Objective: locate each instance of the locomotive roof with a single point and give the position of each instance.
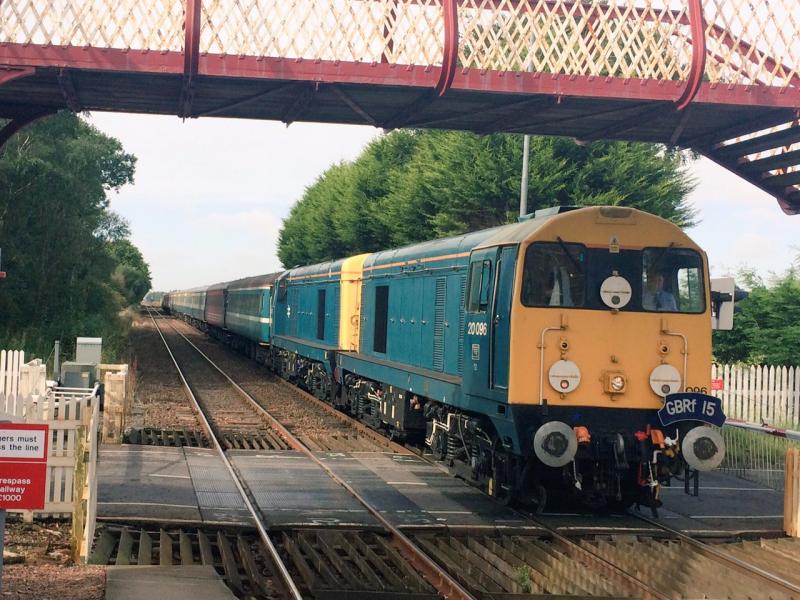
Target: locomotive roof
(459, 245)
(514, 233)
(330, 267)
(256, 281)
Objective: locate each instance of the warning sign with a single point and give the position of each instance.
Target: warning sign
(23, 465)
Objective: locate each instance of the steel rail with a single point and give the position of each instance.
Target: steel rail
(602, 563)
(433, 573)
(769, 579)
(262, 532)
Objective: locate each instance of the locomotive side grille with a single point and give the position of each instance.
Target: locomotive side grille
(438, 323)
(463, 291)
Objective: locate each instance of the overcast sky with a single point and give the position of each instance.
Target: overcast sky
(210, 195)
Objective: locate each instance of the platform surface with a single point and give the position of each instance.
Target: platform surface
(166, 583)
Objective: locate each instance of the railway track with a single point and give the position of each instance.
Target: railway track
(656, 562)
(231, 406)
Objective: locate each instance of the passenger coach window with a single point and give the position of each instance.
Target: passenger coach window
(672, 280)
(381, 318)
(554, 275)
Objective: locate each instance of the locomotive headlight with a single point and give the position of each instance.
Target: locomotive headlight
(614, 382)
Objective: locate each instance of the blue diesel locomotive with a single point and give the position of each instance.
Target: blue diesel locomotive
(526, 357)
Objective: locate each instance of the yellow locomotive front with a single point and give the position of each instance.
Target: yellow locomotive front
(611, 353)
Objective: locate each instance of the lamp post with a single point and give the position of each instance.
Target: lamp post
(523, 188)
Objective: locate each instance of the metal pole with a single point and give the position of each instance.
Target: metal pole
(57, 360)
(2, 545)
(523, 188)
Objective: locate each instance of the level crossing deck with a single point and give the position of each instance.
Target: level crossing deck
(191, 485)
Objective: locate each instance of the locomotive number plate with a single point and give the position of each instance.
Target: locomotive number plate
(690, 406)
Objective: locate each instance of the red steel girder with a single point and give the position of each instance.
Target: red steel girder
(9, 73)
(251, 67)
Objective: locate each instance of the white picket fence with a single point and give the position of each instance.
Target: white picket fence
(73, 416)
(760, 393)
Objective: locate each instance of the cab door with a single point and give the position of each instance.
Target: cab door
(501, 316)
(482, 283)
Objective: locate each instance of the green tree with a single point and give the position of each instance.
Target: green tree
(57, 234)
(132, 273)
(410, 186)
(767, 327)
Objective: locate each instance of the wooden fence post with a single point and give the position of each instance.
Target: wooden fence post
(791, 493)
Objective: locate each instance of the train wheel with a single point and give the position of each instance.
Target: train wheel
(539, 498)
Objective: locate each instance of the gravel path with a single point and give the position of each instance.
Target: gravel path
(48, 582)
(42, 566)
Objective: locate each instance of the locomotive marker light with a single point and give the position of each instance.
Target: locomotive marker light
(615, 291)
(565, 376)
(555, 444)
(665, 380)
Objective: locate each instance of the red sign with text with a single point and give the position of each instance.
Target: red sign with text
(717, 385)
(23, 465)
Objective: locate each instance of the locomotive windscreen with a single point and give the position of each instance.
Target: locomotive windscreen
(560, 274)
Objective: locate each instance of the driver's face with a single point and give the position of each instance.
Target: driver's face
(656, 282)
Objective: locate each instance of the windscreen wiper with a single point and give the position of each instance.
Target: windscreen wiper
(572, 259)
(661, 256)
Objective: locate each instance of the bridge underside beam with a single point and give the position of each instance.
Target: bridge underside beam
(17, 123)
(389, 96)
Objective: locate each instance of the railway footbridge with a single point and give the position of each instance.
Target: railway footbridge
(719, 76)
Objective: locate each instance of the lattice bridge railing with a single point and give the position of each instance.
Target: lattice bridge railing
(743, 42)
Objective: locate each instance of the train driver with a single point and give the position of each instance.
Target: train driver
(655, 297)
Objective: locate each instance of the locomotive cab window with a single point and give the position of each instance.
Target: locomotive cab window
(672, 281)
(283, 285)
(480, 286)
(554, 275)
